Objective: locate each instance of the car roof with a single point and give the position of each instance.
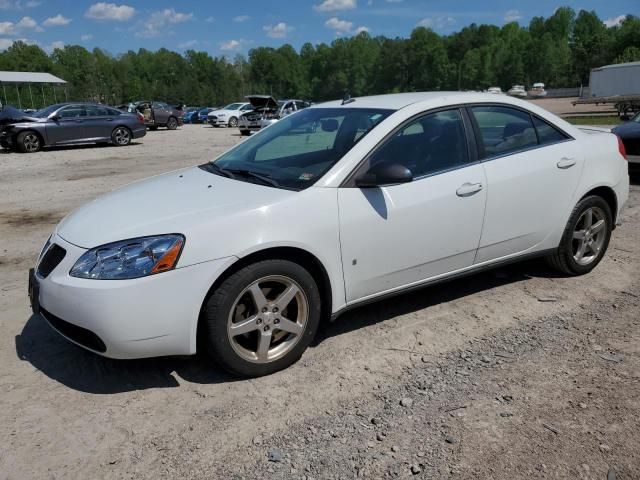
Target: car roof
(396, 101)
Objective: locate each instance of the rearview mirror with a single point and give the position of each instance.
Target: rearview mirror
(384, 174)
(329, 125)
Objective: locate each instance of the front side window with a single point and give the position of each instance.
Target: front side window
(504, 130)
(430, 144)
(297, 150)
(73, 111)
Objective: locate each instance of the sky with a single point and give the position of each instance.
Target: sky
(227, 27)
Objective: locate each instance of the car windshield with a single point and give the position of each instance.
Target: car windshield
(46, 111)
(298, 150)
(233, 106)
(636, 118)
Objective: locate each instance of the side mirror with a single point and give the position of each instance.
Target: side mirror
(55, 117)
(384, 174)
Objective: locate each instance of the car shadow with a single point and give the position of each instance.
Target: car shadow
(84, 371)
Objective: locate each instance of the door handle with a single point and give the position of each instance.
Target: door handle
(566, 162)
(468, 189)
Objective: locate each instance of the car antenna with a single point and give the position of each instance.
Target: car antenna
(347, 98)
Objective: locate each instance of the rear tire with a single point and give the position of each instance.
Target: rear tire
(245, 133)
(121, 136)
(153, 128)
(585, 238)
(276, 304)
(28, 142)
(172, 123)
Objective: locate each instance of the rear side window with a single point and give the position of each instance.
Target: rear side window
(546, 133)
(504, 130)
(430, 144)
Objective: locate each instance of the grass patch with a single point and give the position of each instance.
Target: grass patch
(609, 120)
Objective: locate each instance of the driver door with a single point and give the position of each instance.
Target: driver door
(395, 236)
(68, 126)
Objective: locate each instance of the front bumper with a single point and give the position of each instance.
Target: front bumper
(144, 317)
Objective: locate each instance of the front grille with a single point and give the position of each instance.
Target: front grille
(50, 260)
(80, 335)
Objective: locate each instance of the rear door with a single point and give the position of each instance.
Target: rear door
(68, 126)
(161, 112)
(532, 171)
(99, 122)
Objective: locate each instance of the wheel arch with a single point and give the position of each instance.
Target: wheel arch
(40, 135)
(608, 194)
(295, 254)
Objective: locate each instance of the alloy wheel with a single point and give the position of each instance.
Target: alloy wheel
(268, 319)
(31, 142)
(172, 124)
(589, 236)
(122, 136)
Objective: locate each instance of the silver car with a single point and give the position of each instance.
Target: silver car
(68, 124)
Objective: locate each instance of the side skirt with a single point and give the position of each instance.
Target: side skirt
(454, 276)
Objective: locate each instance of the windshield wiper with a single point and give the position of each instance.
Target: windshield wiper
(212, 167)
(249, 173)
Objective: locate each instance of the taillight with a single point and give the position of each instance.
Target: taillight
(621, 149)
(140, 117)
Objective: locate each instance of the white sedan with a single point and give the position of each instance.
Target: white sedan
(229, 115)
(336, 205)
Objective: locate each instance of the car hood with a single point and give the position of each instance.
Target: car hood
(262, 101)
(177, 202)
(631, 129)
(10, 115)
(222, 110)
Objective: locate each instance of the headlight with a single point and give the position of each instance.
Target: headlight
(127, 259)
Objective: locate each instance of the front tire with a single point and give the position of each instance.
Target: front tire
(28, 142)
(121, 136)
(585, 239)
(233, 122)
(262, 318)
(245, 133)
(172, 123)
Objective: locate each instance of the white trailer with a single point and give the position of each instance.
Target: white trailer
(618, 84)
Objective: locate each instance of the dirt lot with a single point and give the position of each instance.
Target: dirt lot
(516, 373)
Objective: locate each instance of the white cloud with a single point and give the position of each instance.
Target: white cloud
(154, 25)
(335, 5)
(394, 1)
(25, 23)
(437, 23)
(340, 26)
(5, 43)
(188, 44)
(615, 21)
(57, 21)
(362, 29)
(210, 19)
(512, 16)
(110, 12)
(18, 4)
(232, 45)
(86, 37)
(279, 30)
(241, 18)
(53, 45)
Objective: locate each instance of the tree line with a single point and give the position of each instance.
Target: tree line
(559, 51)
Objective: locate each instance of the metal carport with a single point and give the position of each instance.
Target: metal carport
(29, 78)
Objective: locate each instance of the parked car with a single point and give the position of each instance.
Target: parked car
(189, 113)
(228, 116)
(537, 90)
(158, 114)
(266, 110)
(202, 114)
(495, 90)
(338, 205)
(629, 133)
(517, 91)
(66, 124)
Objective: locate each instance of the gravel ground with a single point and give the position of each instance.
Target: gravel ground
(514, 373)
